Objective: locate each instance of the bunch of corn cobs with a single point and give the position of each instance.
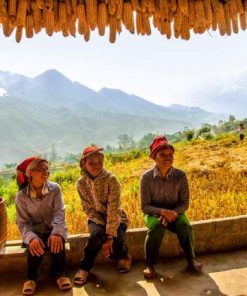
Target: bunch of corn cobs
(170, 17)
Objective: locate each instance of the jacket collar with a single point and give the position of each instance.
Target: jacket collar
(157, 173)
(104, 173)
(30, 191)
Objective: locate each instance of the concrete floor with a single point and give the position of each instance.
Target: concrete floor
(223, 274)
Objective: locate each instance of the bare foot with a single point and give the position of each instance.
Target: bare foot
(195, 266)
(149, 273)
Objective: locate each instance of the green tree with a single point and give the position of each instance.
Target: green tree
(206, 128)
(146, 140)
(53, 155)
(232, 118)
(125, 141)
(189, 134)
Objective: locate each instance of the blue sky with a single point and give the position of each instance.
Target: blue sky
(160, 70)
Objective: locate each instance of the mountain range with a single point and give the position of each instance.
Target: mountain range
(50, 110)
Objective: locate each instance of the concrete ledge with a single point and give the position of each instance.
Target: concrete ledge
(210, 236)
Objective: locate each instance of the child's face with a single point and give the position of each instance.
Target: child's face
(94, 164)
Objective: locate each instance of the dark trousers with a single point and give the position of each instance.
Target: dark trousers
(96, 240)
(155, 234)
(33, 262)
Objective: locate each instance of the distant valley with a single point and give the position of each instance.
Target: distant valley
(50, 110)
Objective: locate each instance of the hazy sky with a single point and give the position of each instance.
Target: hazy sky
(160, 70)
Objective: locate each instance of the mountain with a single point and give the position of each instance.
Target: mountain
(50, 110)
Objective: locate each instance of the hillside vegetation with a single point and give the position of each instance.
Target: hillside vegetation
(217, 173)
(78, 115)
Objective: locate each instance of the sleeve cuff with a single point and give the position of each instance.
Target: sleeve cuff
(29, 237)
(60, 230)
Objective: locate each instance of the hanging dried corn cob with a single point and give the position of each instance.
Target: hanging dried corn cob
(235, 26)
(119, 26)
(102, 18)
(3, 10)
(220, 16)
(240, 6)
(184, 7)
(151, 7)
(156, 20)
(245, 5)
(62, 14)
(135, 4)
(48, 4)
(12, 6)
(168, 30)
(139, 27)
(74, 5)
(128, 17)
(112, 7)
(162, 27)
(208, 12)
(57, 26)
(21, 15)
(214, 21)
(146, 23)
(36, 17)
(233, 9)
(40, 4)
(65, 31)
(81, 10)
(228, 19)
(177, 23)
(87, 32)
(91, 13)
(49, 22)
(71, 25)
(163, 9)
(173, 6)
(143, 5)
(18, 33)
(119, 11)
(185, 32)
(112, 28)
(29, 26)
(242, 19)
(200, 21)
(192, 13)
(68, 7)
(8, 27)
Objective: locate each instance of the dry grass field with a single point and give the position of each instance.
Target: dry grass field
(217, 173)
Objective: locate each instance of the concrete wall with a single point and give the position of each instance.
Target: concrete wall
(210, 236)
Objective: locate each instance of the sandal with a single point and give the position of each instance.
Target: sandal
(194, 266)
(149, 273)
(81, 277)
(64, 283)
(125, 264)
(29, 287)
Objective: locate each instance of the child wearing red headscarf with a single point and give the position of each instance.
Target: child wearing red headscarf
(100, 192)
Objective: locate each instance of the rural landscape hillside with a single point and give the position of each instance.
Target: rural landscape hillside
(217, 173)
(37, 114)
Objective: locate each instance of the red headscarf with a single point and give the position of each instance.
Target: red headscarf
(158, 144)
(21, 176)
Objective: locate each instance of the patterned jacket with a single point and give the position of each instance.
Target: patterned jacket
(100, 198)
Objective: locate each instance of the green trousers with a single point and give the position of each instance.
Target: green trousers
(155, 234)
